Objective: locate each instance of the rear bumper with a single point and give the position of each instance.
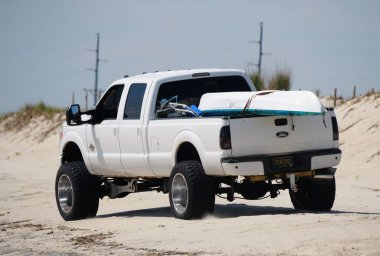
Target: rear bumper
(262, 164)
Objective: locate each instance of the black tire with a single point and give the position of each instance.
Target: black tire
(314, 194)
(78, 190)
(192, 195)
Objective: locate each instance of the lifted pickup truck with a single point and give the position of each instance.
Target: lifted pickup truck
(144, 136)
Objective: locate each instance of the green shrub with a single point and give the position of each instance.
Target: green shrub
(258, 81)
(41, 108)
(281, 79)
(317, 92)
(21, 118)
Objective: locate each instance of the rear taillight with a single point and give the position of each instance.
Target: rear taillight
(225, 137)
(335, 128)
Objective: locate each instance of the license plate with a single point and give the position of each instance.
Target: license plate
(280, 162)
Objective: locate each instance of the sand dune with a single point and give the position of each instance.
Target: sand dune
(359, 121)
(142, 224)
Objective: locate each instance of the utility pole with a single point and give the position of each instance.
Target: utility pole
(100, 91)
(86, 97)
(260, 42)
(261, 47)
(96, 70)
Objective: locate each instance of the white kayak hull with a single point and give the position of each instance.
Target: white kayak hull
(289, 103)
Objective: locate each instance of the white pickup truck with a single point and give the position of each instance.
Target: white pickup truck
(143, 136)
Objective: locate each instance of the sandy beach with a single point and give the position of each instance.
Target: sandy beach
(142, 224)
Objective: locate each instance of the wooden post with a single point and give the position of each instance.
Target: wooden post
(354, 93)
(335, 97)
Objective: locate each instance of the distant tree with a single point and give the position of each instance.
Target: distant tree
(258, 81)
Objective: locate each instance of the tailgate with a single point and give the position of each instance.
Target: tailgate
(267, 135)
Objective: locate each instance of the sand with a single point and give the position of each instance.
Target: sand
(142, 224)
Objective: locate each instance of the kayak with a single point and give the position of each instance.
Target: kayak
(267, 103)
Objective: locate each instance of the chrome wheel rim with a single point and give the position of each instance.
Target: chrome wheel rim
(65, 193)
(180, 193)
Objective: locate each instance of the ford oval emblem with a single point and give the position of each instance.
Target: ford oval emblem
(282, 134)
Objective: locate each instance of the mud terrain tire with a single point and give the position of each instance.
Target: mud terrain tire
(192, 192)
(314, 194)
(76, 191)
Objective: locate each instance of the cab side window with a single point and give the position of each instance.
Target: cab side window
(109, 104)
(134, 101)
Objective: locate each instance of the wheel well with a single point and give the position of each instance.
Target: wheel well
(71, 153)
(186, 152)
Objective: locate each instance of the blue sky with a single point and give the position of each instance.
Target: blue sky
(44, 44)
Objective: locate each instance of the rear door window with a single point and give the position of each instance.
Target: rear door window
(134, 101)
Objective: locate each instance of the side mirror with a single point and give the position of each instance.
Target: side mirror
(73, 115)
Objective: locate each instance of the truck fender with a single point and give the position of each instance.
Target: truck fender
(73, 137)
(190, 137)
